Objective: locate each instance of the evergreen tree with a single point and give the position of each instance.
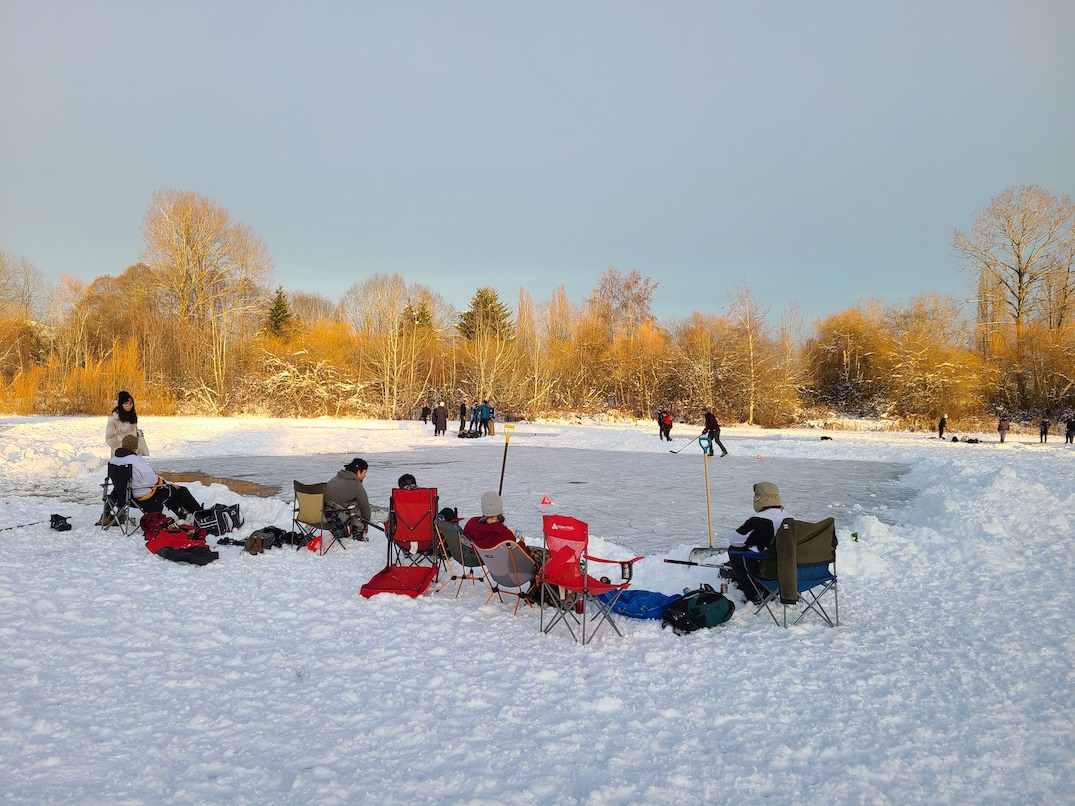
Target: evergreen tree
(487, 316)
(279, 312)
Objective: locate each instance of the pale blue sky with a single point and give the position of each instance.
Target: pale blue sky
(820, 151)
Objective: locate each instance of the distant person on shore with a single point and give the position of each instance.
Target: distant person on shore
(712, 430)
(943, 424)
(462, 416)
(1043, 430)
(1069, 433)
(425, 414)
(1003, 425)
(440, 419)
(345, 492)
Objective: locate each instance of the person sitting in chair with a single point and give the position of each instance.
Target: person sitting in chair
(407, 482)
(488, 530)
(150, 491)
(757, 532)
(344, 492)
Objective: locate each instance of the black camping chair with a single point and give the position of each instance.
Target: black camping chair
(118, 499)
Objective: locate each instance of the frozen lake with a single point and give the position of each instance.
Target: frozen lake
(641, 501)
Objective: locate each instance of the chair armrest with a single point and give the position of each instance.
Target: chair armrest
(753, 555)
(612, 562)
(626, 566)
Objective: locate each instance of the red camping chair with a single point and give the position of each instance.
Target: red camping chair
(566, 541)
(410, 530)
(414, 558)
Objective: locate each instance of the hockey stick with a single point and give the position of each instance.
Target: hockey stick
(689, 562)
(681, 448)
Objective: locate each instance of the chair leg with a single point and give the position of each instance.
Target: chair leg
(603, 614)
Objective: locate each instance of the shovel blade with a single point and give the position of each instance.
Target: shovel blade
(703, 553)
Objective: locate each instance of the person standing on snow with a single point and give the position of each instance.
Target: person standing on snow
(1003, 425)
(425, 414)
(1043, 430)
(440, 420)
(666, 425)
(1069, 436)
(712, 430)
(462, 416)
(943, 424)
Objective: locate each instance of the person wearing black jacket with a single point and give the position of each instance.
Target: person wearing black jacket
(712, 430)
(757, 533)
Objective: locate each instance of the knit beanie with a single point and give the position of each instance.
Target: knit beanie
(492, 505)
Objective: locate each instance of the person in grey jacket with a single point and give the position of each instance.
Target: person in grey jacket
(344, 491)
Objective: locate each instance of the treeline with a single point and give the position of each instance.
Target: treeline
(196, 327)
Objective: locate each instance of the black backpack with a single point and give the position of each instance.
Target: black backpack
(697, 609)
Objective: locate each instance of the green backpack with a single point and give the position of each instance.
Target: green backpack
(697, 609)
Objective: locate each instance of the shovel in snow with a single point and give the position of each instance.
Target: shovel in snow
(701, 553)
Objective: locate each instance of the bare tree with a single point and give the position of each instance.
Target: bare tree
(212, 275)
(753, 343)
(22, 287)
(1021, 249)
(397, 331)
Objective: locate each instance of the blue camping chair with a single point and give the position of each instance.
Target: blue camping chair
(804, 564)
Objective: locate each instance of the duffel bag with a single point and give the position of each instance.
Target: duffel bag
(697, 609)
(219, 519)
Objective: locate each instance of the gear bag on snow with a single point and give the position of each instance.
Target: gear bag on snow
(697, 609)
(219, 519)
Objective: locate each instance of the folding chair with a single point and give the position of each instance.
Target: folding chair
(307, 516)
(566, 542)
(805, 571)
(410, 532)
(118, 499)
(509, 566)
(457, 549)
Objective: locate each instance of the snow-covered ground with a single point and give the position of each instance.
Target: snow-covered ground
(267, 679)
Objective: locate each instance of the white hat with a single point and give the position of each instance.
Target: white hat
(492, 505)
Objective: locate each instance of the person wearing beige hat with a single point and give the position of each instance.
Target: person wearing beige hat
(756, 533)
